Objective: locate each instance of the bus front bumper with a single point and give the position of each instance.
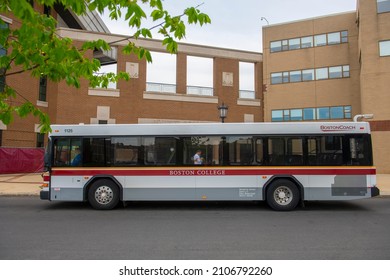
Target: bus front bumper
(44, 194)
(375, 191)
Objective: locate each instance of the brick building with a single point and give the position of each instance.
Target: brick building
(327, 68)
(332, 68)
(134, 101)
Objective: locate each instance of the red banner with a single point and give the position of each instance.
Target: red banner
(21, 160)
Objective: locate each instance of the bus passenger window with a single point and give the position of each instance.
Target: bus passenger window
(294, 151)
(125, 150)
(76, 155)
(211, 149)
(276, 151)
(259, 151)
(160, 150)
(67, 152)
(358, 151)
(240, 150)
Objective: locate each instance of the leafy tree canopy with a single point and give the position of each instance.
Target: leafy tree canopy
(35, 47)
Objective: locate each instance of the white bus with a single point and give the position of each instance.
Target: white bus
(283, 164)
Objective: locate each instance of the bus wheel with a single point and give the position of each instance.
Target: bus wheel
(283, 195)
(103, 194)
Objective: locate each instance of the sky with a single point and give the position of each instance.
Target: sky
(237, 24)
(234, 25)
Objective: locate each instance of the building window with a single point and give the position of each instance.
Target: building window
(383, 6)
(323, 113)
(334, 38)
(344, 36)
(384, 48)
(319, 40)
(295, 76)
(294, 44)
(42, 88)
(2, 80)
(323, 73)
(337, 112)
(276, 78)
(347, 112)
(296, 114)
(277, 115)
(311, 114)
(40, 140)
(3, 52)
(276, 46)
(335, 72)
(307, 42)
(308, 75)
(346, 71)
(46, 10)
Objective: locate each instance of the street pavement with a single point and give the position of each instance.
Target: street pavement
(29, 184)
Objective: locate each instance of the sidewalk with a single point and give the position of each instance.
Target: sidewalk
(28, 184)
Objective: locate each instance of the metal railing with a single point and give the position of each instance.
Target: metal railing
(247, 94)
(203, 91)
(170, 88)
(158, 87)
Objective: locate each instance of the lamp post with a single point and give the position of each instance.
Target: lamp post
(223, 109)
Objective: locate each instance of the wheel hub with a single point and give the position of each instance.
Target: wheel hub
(104, 195)
(283, 195)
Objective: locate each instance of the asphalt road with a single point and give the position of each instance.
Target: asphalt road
(35, 229)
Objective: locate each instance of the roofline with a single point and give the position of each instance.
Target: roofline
(156, 45)
(200, 129)
(309, 19)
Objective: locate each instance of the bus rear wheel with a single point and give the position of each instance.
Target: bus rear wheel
(103, 194)
(283, 195)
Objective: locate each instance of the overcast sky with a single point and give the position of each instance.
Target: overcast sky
(237, 24)
(234, 25)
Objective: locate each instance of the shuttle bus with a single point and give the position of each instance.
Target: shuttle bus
(283, 164)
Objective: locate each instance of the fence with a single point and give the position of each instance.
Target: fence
(21, 160)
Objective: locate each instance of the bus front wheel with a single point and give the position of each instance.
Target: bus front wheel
(283, 195)
(103, 194)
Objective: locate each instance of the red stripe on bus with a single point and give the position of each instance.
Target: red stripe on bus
(213, 171)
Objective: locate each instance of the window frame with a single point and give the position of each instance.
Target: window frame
(387, 53)
(386, 6)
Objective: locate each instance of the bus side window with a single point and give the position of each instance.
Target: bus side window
(358, 151)
(312, 151)
(160, 150)
(240, 150)
(66, 151)
(294, 151)
(61, 152)
(95, 152)
(276, 151)
(126, 151)
(260, 151)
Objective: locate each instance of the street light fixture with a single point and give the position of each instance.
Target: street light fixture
(223, 109)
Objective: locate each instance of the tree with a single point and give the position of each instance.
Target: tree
(35, 47)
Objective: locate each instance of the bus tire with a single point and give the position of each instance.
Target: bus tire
(283, 195)
(103, 194)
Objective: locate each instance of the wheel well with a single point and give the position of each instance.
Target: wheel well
(99, 177)
(285, 177)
